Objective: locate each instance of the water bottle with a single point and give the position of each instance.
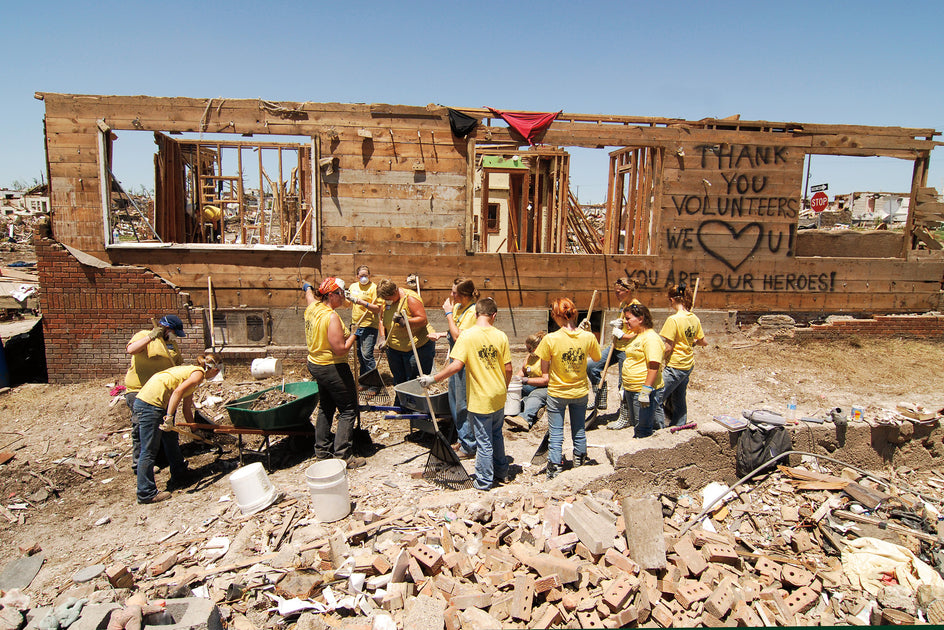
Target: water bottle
(792, 410)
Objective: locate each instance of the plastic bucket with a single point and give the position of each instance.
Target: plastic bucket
(252, 488)
(513, 399)
(327, 483)
(264, 368)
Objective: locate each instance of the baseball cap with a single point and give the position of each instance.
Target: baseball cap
(174, 323)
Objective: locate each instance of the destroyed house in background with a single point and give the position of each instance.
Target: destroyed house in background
(257, 195)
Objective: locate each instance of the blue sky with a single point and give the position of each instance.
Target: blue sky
(860, 63)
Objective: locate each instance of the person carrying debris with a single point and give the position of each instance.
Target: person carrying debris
(681, 332)
(398, 304)
(625, 290)
(483, 352)
(155, 408)
(534, 397)
(329, 341)
(151, 351)
(364, 299)
(564, 354)
(459, 309)
(642, 372)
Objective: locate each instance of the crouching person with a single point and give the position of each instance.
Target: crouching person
(484, 353)
(154, 409)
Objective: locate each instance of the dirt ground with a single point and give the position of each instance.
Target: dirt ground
(69, 487)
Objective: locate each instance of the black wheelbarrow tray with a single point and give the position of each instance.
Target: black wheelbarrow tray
(295, 413)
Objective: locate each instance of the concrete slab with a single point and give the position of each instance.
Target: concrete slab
(20, 572)
(188, 613)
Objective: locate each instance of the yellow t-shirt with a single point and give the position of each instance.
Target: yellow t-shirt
(158, 355)
(683, 329)
(317, 317)
(368, 293)
(159, 387)
(464, 317)
(396, 334)
(567, 352)
(485, 353)
(623, 343)
(642, 350)
(532, 366)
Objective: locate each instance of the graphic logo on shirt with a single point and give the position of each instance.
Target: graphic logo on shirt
(488, 355)
(690, 334)
(574, 359)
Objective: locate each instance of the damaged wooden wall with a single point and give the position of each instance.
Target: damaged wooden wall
(395, 186)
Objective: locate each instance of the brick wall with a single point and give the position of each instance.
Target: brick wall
(908, 326)
(90, 311)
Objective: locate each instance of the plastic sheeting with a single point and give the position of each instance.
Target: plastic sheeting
(866, 560)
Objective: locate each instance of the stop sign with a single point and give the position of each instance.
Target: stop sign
(819, 201)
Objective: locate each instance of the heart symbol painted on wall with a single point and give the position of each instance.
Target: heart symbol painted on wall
(729, 245)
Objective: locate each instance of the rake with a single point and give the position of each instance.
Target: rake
(443, 467)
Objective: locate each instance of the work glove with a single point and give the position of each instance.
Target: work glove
(168, 424)
(584, 325)
(616, 323)
(426, 381)
(618, 333)
(644, 395)
(348, 296)
(305, 287)
(157, 331)
(399, 318)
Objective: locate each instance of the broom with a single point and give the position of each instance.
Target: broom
(443, 467)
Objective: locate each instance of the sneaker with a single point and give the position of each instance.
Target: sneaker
(355, 462)
(580, 459)
(157, 498)
(517, 422)
(176, 482)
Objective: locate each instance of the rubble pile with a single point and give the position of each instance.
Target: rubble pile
(801, 547)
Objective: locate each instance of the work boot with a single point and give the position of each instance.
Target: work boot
(553, 469)
(580, 459)
(517, 422)
(600, 402)
(355, 462)
(157, 498)
(625, 419)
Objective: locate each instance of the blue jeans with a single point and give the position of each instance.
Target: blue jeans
(595, 368)
(645, 416)
(490, 460)
(555, 418)
(336, 391)
(676, 386)
(403, 364)
(366, 340)
(460, 412)
(534, 399)
(149, 419)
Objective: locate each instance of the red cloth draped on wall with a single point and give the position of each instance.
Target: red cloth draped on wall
(528, 124)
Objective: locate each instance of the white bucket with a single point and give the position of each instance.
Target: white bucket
(264, 368)
(513, 399)
(252, 488)
(327, 483)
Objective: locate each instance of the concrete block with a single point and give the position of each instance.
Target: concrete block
(188, 613)
(594, 530)
(523, 598)
(644, 527)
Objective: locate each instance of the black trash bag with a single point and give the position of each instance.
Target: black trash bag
(757, 445)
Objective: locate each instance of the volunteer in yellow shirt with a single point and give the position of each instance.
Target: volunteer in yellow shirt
(625, 291)
(534, 397)
(329, 341)
(483, 352)
(682, 332)
(459, 309)
(642, 371)
(155, 407)
(364, 298)
(564, 354)
(399, 304)
(151, 351)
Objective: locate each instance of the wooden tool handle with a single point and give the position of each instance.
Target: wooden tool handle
(419, 368)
